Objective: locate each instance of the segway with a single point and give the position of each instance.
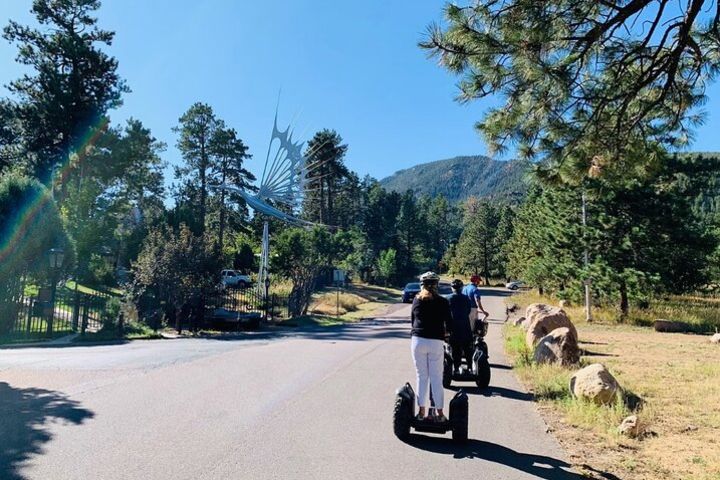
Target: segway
(476, 369)
(404, 417)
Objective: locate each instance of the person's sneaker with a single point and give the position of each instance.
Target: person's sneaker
(441, 419)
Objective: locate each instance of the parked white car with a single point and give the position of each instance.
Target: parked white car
(233, 278)
(516, 285)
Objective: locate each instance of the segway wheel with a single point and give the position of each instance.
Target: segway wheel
(459, 417)
(402, 416)
(447, 374)
(483, 378)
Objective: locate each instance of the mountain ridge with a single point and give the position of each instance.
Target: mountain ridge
(461, 177)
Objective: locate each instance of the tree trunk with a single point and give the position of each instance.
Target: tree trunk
(624, 303)
(486, 266)
(221, 233)
(321, 204)
(330, 219)
(203, 183)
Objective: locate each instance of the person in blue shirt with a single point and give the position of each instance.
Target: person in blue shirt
(461, 336)
(473, 293)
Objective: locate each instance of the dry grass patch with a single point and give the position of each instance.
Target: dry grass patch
(676, 375)
(353, 303)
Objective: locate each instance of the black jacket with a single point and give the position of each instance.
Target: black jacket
(431, 318)
(460, 306)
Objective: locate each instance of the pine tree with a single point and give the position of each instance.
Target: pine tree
(196, 129)
(475, 250)
(571, 71)
(70, 87)
(228, 154)
(325, 153)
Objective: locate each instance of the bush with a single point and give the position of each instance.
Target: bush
(111, 313)
(30, 226)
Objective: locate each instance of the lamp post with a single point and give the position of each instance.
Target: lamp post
(56, 257)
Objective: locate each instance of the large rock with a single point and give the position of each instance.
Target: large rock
(559, 346)
(630, 426)
(715, 338)
(594, 383)
(543, 319)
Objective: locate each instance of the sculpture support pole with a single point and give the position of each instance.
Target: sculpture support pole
(264, 259)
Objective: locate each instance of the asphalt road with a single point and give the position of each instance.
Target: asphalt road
(313, 404)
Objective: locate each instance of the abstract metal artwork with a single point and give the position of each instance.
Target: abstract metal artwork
(284, 178)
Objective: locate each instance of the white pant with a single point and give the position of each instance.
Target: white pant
(428, 355)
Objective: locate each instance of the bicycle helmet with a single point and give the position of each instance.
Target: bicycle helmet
(457, 284)
(429, 278)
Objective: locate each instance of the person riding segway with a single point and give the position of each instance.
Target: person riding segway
(467, 343)
(430, 320)
(461, 336)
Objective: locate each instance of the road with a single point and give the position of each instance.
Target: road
(310, 404)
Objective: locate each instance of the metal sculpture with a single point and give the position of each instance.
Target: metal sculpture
(284, 178)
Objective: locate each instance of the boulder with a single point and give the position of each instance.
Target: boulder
(543, 319)
(715, 338)
(670, 326)
(533, 309)
(630, 427)
(559, 346)
(594, 383)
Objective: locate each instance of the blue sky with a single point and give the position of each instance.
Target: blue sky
(348, 65)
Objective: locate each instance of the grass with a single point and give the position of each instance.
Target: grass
(701, 313)
(356, 302)
(131, 331)
(70, 285)
(676, 375)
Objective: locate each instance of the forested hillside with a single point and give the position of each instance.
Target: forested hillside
(462, 177)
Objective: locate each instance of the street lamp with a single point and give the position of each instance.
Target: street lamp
(56, 257)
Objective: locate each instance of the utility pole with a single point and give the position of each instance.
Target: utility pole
(587, 282)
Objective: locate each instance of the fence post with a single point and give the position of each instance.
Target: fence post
(121, 324)
(31, 308)
(84, 317)
(76, 310)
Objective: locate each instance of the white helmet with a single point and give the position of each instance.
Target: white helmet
(429, 277)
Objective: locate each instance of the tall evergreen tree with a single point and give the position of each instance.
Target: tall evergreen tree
(70, 86)
(503, 233)
(475, 249)
(325, 153)
(228, 155)
(196, 129)
(578, 70)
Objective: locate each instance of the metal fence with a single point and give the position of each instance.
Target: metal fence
(74, 311)
(237, 304)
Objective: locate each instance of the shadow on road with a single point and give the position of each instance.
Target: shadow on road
(547, 468)
(500, 367)
(495, 292)
(24, 416)
(493, 391)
